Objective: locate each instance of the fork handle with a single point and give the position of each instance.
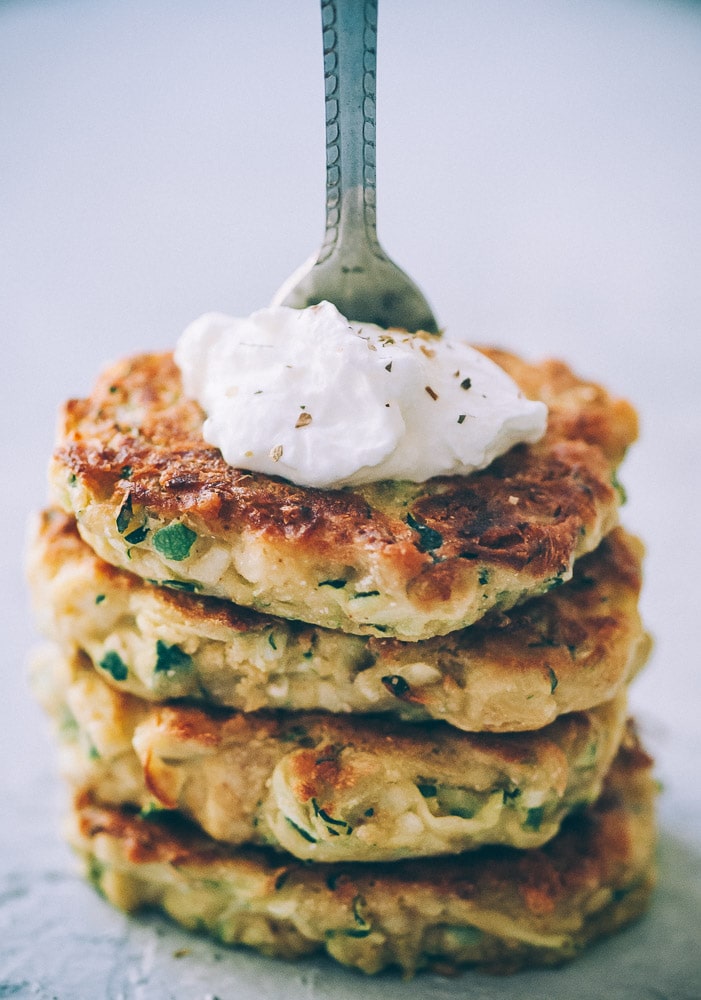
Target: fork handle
(350, 59)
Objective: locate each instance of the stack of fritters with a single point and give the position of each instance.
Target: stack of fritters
(277, 705)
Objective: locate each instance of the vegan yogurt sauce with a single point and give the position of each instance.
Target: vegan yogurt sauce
(307, 395)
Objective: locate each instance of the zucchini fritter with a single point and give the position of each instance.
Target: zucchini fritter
(390, 559)
(325, 787)
(565, 651)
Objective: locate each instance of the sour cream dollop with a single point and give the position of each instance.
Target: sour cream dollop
(309, 396)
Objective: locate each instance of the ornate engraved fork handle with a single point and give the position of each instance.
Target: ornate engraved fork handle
(351, 270)
(350, 61)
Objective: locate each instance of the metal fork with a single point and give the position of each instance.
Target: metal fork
(351, 269)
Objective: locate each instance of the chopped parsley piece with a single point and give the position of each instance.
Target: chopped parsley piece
(459, 803)
(619, 894)
(68, 725)
(271, 640)
(428, 791)
(281, 879)
(171, 658)
(100, 598)
(297, 734)
(114, 665)
(534, 817)
(367, 593)
(396, 685)
(185, 585)
(95, 871)
(303, 833)
(553, 680)
(329, 820)
(335, 879)
(461, 418)
(126, 471)
(137, 535)
(466, 383)
(153, 811)
(588, 758)
(363, 928)
(429, 538)
(124, 515)
(174, 541)
(620, 489)
(336, 584)
(483, 577)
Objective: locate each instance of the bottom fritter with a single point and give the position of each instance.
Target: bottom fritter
(497, 908)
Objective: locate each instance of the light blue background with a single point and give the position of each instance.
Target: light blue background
(538, 175)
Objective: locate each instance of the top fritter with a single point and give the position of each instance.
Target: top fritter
(401, 559)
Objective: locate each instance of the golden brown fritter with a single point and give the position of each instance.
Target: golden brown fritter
(394, 558)
(565, 651)
(327, 787)
(496, 908)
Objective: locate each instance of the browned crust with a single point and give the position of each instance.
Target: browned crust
(556, 494)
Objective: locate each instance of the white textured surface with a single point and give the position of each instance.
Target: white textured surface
(160, 159)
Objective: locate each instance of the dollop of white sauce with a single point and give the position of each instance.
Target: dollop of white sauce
(309, 396)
